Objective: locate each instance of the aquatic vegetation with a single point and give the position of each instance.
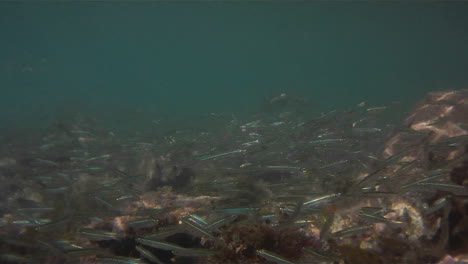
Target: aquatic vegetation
(289, 187)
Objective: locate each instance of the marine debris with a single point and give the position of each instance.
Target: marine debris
(345, 186)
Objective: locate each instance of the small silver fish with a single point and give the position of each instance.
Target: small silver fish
(119, 260)
(142, 223)
(321, 200)
(437, 205)
(195, 252)
(268, 255)
(159, 244)
(379, 219)
(351, 231)
(96, 235)
(148, 255)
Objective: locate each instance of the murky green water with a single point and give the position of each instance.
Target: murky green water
(120, 61)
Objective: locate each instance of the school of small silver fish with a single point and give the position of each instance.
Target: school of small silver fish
(344, 186)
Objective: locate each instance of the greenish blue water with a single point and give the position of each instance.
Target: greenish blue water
(184, 58)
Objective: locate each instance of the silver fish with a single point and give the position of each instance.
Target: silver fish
(273, 257)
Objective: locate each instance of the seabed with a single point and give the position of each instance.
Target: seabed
(345, 186)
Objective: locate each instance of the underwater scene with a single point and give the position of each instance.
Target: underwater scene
(233, 132)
